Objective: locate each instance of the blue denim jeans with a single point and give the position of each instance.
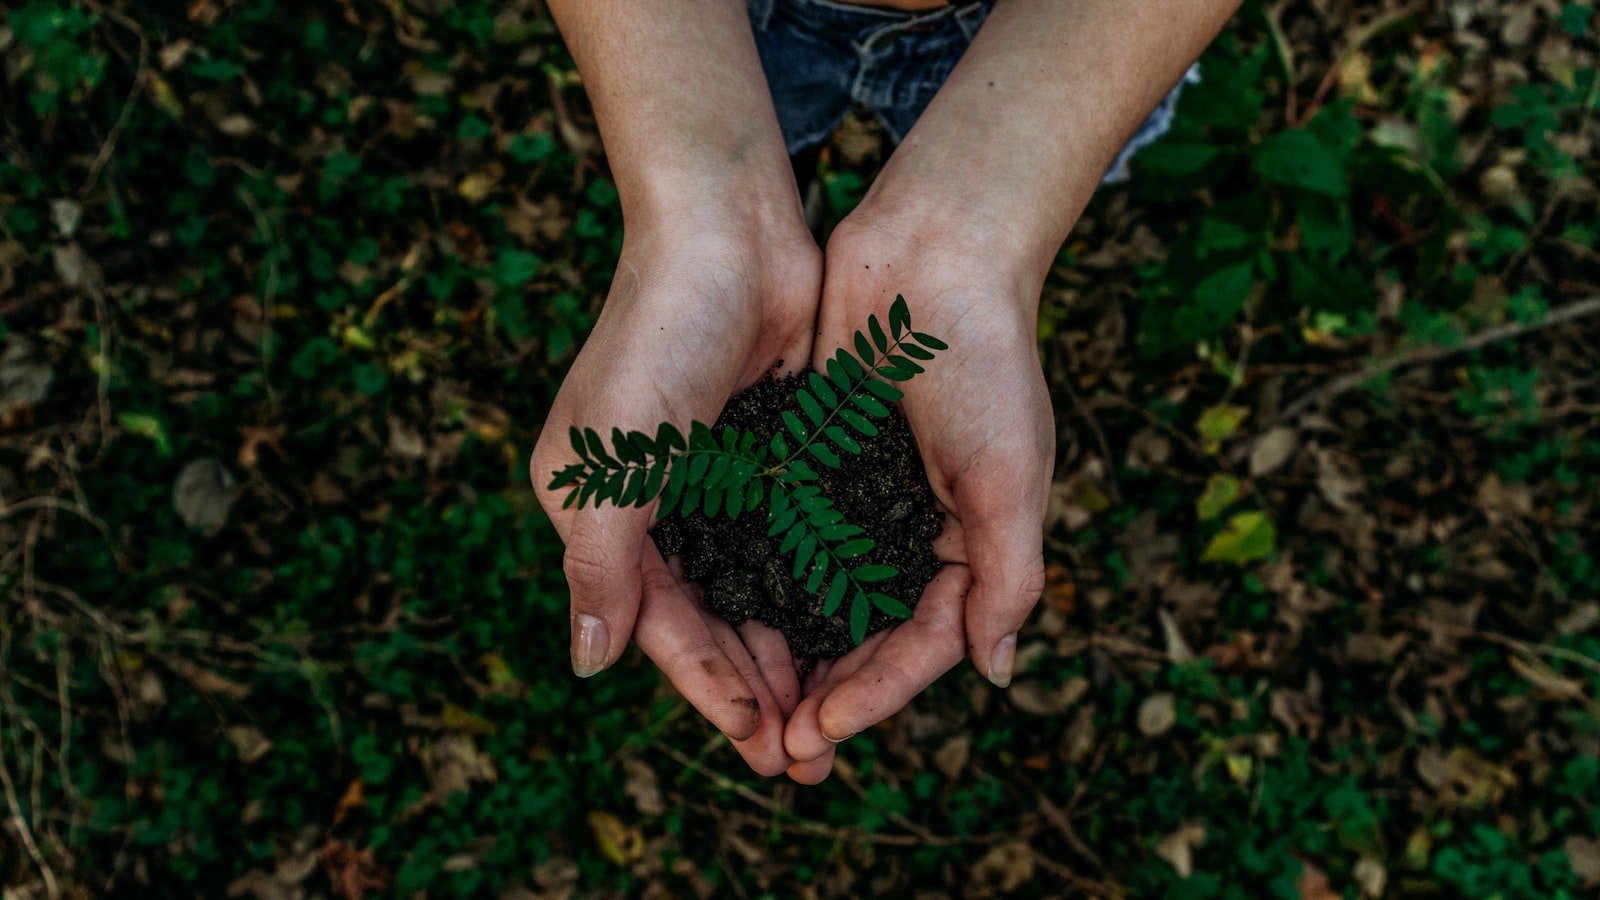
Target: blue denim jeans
(824, 58)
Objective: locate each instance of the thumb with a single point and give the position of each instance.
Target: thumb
(602, 565)
(1005, 550)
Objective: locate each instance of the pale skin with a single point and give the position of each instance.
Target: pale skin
(964, 221)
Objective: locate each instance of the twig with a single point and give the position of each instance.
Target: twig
(19, 823)
(1086, 413)
(109, 144)
(1330, 391)
(1533, 650)
(1092, 888)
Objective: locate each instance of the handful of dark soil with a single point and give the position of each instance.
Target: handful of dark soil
(884, 490)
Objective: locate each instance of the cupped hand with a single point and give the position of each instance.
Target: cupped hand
(701, 307)
(982, 421)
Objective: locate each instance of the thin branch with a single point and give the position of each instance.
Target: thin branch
(1342, 385)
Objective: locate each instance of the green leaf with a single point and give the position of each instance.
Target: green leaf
(803, 470)
(1217, 423)
(899, 317)
(733, 502)
(670, 437)
(614, 485)
(652, 480)
(1298, 159)
(566, 476)
(871, 573)
(712, 501)
(803, 554)
(860, 423)
(852, 366)
(853, 549)
(822, 389)
(915, 352)
(752, 494)
(860, 610)
(888, 393)
(869, 404)
(780, 447)
(597, 448)
(635, 485)
(717, 473)
(878, 337)
(808, 405)
(590, 488)
(824, 516)
(698, 463)
(624, 449)
(577, 442)
(1220, 492)
(895, 373)
(906, 364)
(824, 455)
(783, 521)
(890, 605)
(830, 604)
(1249, 536)
(818, 572)
(842, 439)
(864, 348)
(837, 374)
(792, 539)
(672, 492)
(642, 443)
(796, 427)
(929, 341)
(700, 437)
(780, 503)
(838, 532)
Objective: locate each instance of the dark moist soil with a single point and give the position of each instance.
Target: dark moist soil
(884, 490)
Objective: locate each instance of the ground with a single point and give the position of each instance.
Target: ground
(285, 290)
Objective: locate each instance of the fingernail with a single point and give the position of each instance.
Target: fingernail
(1002, 659)
(841, 740)
(591, 642)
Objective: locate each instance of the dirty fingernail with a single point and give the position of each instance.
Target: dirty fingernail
(591, 642)
(1002, 659)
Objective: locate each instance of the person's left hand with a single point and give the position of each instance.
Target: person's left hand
(982, 420)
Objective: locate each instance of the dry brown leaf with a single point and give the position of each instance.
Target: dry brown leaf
(1272, 450)
(1178, 847)
(1158, 713)
(1583, 854)
(953, 756)
(1313, 883)
(353, 872)
(249, 741)
(1004, 869)
(643, 788)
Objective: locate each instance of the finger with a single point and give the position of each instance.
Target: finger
(770, 651)
(1005, 548)
(813, 771)
(762, 751)
(951, 544)
(803, 737)
(673, 633)
(915, 654)
(602, 565)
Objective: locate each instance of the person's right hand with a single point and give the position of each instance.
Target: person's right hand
(701, 307)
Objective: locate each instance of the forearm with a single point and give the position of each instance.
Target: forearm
(682, 103)
(1014, 144)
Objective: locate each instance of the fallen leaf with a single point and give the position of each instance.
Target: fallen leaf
(249, 741)
(1221, 490)
(1158, 713)
(1004, 869)
(1371, 875)
(618, 841)
(1583, 855)
(952, 758)
(1248, 537)
(24, 377)
(354, 797)
(353, 872)
(1272, 450)
(1178, 847)
(204, 494)
(1217, 423)
(1313, 883)
(643, 788)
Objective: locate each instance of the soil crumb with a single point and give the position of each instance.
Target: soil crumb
(884, 490)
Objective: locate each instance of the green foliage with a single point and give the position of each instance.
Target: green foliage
(733, 476)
